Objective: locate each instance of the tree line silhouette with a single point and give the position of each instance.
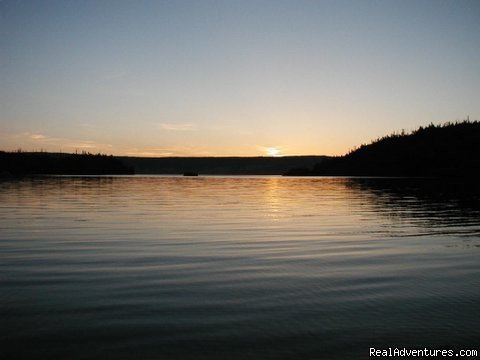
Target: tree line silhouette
(29, 163)
(451, 149)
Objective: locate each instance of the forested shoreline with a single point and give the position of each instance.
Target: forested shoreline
(451, 149)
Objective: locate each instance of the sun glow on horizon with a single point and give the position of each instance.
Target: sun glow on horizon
(273, 152)
(231, 78)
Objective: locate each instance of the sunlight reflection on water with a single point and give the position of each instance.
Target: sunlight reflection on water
(228, 267)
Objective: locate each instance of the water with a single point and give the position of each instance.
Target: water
(236, 267)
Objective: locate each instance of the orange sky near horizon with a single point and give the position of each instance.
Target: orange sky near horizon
(223, 78)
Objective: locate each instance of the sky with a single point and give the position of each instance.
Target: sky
(232, 78)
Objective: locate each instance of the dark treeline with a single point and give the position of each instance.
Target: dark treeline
(30, 163)
(452, 149)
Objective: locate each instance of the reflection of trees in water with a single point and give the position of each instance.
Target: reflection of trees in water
(443, 206)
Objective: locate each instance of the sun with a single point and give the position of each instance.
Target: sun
(274, 152)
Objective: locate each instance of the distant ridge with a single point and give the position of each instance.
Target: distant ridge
(229, 165)
(451, 149)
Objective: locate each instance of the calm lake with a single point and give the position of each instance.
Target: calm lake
(236, 267)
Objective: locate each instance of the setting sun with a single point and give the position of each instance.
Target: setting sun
(273, 152)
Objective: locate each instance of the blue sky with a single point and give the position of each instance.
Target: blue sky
(232, 77)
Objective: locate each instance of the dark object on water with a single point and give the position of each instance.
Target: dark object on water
(190, 173)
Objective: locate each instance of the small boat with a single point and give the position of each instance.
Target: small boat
(190, 173)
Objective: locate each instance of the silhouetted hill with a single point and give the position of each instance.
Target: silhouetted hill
(220, 165)
(29, 163)
(452, 149)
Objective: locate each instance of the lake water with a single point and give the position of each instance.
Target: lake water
(236, 267)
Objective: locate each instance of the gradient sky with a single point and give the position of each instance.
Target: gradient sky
(231, 77)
